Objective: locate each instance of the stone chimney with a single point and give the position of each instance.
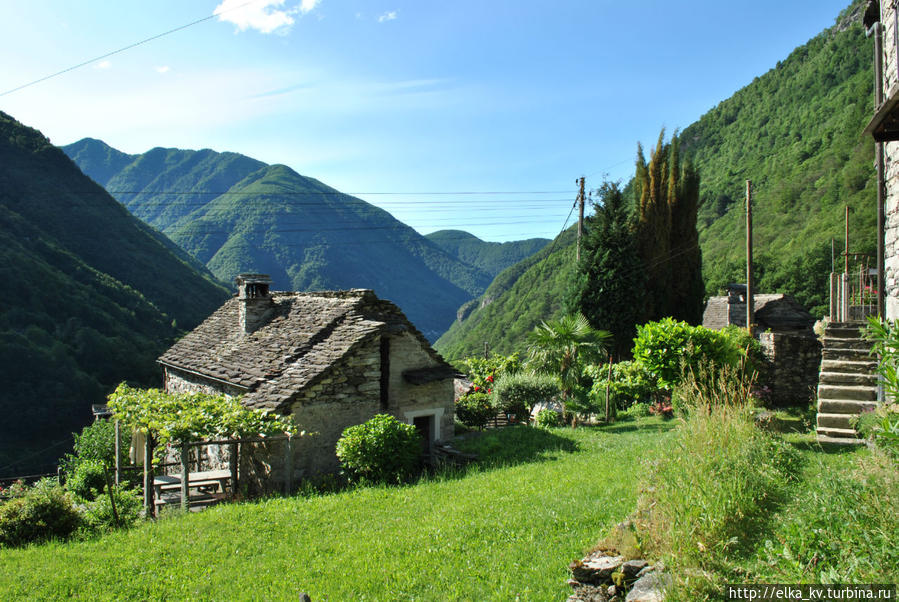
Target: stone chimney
(254, 301)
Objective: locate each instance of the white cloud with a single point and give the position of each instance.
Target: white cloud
(163, 69)
(265, 16)
(103, 65)
(388, 16)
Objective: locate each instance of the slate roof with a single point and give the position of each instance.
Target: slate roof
(305, 334)
(778, 312)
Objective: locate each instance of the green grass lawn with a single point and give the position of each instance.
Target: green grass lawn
(505, 529)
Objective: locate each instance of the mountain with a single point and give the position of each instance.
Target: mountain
(491, 257)
(235, 214)
(515, 302)
(796, 133)
(91, 296)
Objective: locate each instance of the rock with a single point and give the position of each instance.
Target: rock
(588, 593)
(611, 591)
(596, 568)
(645, 571)
(649, 588)
(632, 567)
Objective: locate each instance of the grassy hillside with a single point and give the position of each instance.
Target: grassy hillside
(796, 133)
(235, 214)
(517, 300)
(492, 257)
(91, 297)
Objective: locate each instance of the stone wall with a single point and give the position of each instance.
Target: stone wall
(791, 373)
(405, 399)
(891, 227)
(179, 381)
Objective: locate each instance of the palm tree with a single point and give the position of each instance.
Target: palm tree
(563, 347)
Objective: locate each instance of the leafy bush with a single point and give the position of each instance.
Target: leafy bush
(483, 372)
(44, 512)
(630, 383)
(98, 514)
(381, 450)
(667, 349)
(637, 410)
(88, 480)
(95, 443)
(547, 418)
(516, 393)
(475, 409)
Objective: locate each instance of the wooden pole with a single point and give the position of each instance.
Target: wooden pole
(185, 478)
(486, 350)
(608, 383)
(235, 460)
(118, 453)
(750, 292)
(846, 249)
(580, 218)
(115, 514)
(149, 503)
(288, 466)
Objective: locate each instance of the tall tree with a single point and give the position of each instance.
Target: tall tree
(610, 273)
(666, 236)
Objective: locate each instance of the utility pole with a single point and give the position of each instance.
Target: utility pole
(750, 300)
(486, 350)
(580, 217)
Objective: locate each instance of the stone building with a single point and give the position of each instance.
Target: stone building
(784, 330)
(331, 359)
(882, 23)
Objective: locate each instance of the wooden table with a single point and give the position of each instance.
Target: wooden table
(217, 479)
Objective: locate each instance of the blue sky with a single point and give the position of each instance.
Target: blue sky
(379, 97)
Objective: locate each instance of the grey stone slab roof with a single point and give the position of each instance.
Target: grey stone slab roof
(778, 312)
(304, 335)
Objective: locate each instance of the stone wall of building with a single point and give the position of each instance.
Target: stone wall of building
(408, 400)
(891, 227)
(791, 371)
(179, 381)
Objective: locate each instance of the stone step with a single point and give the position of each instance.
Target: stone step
(843, 378)
(855, 355)
(846, 343)
(825, 439)
(847, 332)
(847, 392)
(844, 433)
(845, 406)
(858, 324)
(868, 366)
(835, 421)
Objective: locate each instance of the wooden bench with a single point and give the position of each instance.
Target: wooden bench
(207, 481)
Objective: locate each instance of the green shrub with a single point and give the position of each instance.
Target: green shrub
(44, 512)
(484, 371)
(516, 393)
(547, 418)
(637, 410)
(95, 443)
(88, 480)
(475, 409)
(382, 450)
(667, 349)
(98, 514)
(630, 384)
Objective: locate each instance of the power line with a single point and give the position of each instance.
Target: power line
(124, 48)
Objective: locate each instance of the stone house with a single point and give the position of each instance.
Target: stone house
(784, 331)
(331, 359)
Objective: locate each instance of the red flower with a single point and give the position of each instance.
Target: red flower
(490, 379)
(477, 388)
(490, 390)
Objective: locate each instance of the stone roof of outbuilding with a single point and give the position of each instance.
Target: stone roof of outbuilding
(778, 312)
(304, 335)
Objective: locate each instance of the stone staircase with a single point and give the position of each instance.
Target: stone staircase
(847, 383)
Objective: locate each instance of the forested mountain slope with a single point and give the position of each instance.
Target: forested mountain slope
(235, 214)
(796, 133)
(91, 296)
(492, 257)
